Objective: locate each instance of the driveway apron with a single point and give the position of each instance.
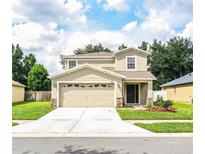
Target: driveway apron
(79, 120)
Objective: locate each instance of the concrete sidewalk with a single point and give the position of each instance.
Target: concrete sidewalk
(57, 135)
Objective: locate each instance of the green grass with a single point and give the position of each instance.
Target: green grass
(30, 110)
(184, 111)
(168, 127)
(14, 123)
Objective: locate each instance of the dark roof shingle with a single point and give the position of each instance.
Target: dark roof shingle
(182, 80)
(94, 54)
(134, 74)
(14, 83)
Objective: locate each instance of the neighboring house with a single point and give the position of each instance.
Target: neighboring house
(18, 90)
(180, 89)
(103, 80)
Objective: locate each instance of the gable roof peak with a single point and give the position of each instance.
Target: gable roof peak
(132, 49)
(86, 65)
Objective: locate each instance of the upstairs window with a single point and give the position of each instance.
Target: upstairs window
(72, 64)
(130, 62)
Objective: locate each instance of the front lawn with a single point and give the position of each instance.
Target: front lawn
(184, 111)
(30, 110)
(168, 127)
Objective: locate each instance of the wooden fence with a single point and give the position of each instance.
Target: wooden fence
(37, 95)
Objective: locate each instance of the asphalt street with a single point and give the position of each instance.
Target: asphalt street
(135, 145)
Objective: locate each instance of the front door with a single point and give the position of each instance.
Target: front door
(132, 93)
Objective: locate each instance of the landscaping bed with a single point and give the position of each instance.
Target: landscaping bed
(168, 127)
(30, 110)
(183, 112)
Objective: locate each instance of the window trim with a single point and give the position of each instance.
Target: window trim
(130, 69)
(68, 63)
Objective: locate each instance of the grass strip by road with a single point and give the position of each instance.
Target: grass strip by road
(30, 110)
(184, 112)
(14, 123)
(168, 127)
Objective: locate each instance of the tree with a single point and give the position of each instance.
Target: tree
(171, 60)
(17, 64)
(144, 46)
(90, 48)
(38, 78)
(28, 62)
(122, 46)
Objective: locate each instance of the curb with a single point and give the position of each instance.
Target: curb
(102, 135)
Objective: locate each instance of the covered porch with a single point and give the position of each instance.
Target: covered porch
(137, 92)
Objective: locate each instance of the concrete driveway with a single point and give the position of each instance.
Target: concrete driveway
(79, 121)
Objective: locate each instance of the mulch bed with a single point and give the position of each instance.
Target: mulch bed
(160, 109)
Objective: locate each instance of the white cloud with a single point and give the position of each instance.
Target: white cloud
(188, 31)
(98, 1)
(178, 12)
(73, 6)
(157, 23)
(119, 5)
(130, 26)
(50, 11)
(47, 43)
(43, 41)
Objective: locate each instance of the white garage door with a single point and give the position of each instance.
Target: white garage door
(91, 95)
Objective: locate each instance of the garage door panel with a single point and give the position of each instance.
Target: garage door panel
(91, 95)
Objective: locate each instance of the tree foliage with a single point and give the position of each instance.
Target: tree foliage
(122, 46)
(171, 60)
(21, 66)
(144, 46)
(17, 64)
(28, 62)
(38, 78)
(90, 48)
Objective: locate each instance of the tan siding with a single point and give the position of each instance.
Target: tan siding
(180, 93)
(17, 94)
(120, 62)
(98, 63)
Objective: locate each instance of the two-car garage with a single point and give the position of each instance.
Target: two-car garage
(86, 94)
(86, 86)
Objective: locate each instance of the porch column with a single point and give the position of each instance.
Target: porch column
(150, 93)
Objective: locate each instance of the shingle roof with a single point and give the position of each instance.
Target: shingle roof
(98, 54)
(14, 83)
(106, 54)
(134, 74)
(182, 80)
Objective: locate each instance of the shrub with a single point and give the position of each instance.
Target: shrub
(158, 102)
(166, 104)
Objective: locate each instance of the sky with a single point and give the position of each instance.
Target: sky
(50, 28)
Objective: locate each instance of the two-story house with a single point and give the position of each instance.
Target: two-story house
(103, 80)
